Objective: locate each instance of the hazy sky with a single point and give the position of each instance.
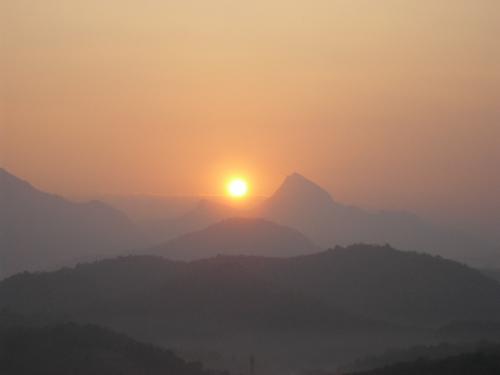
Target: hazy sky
(387, 103)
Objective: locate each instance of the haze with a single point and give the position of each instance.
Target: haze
(387, 103)
(266, 187)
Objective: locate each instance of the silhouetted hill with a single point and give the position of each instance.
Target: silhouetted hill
(174, 298)
(243, 304)
(384, 283)
(427, 352)
(373, 281)
(205, 213)
(305, 206)
(237, 236)
(40, 230)
(84, 349)
(485, 361)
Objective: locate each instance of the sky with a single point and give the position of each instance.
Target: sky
(387, 103)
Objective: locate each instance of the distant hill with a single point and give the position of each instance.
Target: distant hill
(70, 348)
(205, 213)
(43, 231)
(237, 236)
(305, 206)
(484, 361)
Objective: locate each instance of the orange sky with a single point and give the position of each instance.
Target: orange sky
(386, 103)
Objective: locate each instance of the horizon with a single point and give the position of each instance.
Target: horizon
(387, 105)
(479, 224)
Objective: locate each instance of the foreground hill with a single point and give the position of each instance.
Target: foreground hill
(382, 283)
(237, 236)
(420, 352)
(241, 292)
(485, 361)
(326, 307)
(41, 230)
(174, 299)
(493, 273)
(64, 349)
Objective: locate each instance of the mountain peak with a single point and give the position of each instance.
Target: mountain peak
(296, 186)
(11, 184)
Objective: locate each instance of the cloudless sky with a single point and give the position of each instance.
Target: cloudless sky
(387, 103)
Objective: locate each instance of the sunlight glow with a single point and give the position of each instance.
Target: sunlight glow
(237, 188)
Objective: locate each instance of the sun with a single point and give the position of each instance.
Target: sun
(237, 188)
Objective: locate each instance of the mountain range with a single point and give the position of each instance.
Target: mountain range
(328, 307)
(41, 231)
(44, 231)
(306, 207)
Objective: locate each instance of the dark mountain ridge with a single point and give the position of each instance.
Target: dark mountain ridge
(382, 283)
(377, 282)
(485, 361)
(216, 300)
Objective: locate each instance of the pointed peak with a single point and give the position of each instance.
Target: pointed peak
(298, 187)
(297, 177)
(300, 183)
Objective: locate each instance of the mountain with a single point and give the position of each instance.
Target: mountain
(304, 292)
(42, 231)
(305, 206)
(329, 307)
(206, 212)
(383, 284)
(68, 348)
(237, 236)
(485, 360)
(163, 298)
(420, 352)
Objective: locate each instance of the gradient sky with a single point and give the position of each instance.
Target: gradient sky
(387, 103)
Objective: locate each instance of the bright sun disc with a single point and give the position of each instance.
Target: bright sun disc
(237, 188)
